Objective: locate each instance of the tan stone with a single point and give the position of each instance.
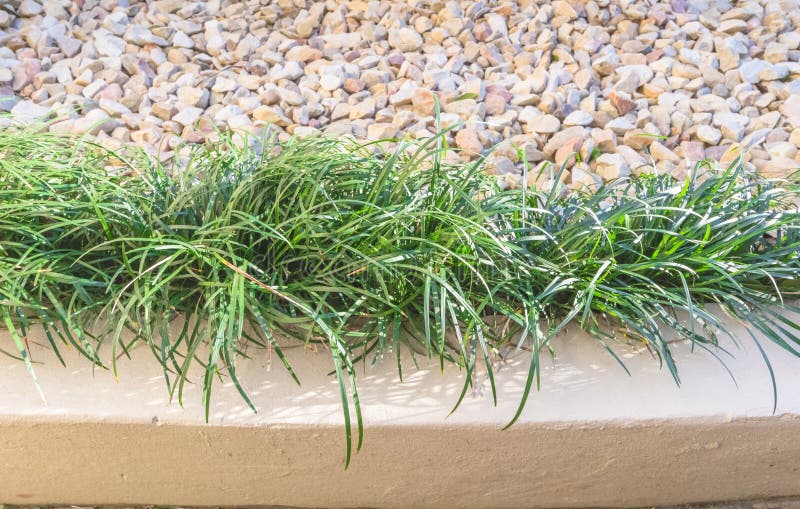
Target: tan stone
(622, 103)
(353, 85)
(732, 152)
(495, 104)
(692, 150)
(605, 139)
(662, 153)
(303, 54)
(381, 131)
(638, 139)
(566, 153)
(270, 115)
(423, 101)
(469, 142)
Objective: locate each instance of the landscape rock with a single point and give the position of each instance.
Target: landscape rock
(544, 124)
(791, 110)
(708, 134)
(29, 8)
(381, 131)
(608, 80)
(580, 118)
(405, 39)
(107, 44)
(27, 112)
(188, 116)
(468, 141)
(612, 166)
(424, 101)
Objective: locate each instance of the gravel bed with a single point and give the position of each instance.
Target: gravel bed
(622, 83)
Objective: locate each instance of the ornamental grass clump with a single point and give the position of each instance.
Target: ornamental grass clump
(369, 252)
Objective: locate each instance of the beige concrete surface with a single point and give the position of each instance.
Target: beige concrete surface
(591, 437)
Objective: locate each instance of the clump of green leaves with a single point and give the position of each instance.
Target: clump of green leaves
(368, 252)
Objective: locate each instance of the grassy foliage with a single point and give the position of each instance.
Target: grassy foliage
(328, 242)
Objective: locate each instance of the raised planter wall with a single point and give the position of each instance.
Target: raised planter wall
(593, 436)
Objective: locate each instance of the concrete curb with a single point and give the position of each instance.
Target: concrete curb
(591, 437)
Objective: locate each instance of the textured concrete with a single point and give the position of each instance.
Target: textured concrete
(592, 437)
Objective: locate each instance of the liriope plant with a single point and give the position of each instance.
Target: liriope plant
(368, 252)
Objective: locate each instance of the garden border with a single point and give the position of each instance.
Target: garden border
(591, 437)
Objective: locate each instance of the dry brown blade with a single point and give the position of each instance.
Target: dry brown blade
(259, 283)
